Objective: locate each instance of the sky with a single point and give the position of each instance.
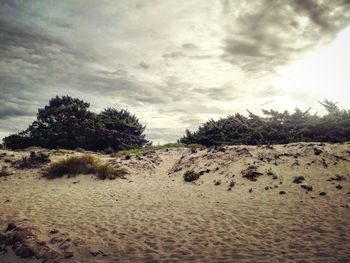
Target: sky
(175, 64)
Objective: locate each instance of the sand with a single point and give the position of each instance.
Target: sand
(154, 216)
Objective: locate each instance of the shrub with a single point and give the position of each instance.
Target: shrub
(251, 173)
(307, 187)
(274, 128)
(34, 160)
(217, 182)
(85, 164)
(119, 130)
(270, 172)
(4, 172)
(298, 179)
(337, 177)
(191, 176)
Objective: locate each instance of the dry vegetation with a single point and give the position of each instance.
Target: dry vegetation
(85, 164)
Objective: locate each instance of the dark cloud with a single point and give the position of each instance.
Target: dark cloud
(189, 46)
(225, 93)
(8, 111)
(270, 33)
(143, 65)
(176, 54)
(268, 91)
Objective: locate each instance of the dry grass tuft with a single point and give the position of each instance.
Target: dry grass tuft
(85, 164)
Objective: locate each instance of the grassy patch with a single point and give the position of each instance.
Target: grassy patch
(85, 164)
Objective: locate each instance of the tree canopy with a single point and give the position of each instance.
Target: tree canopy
(274, 128)
(67, 123)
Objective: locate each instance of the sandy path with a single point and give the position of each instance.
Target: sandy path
(160, 218)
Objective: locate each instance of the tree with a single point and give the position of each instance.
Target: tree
(120, 130)
(61, 123)
(274, 127)
(67, 123)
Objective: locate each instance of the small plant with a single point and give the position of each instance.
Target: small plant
(337, 177)
(34, 160)
(270, 172)
(4, 172)
(307, 187)
(251, 173)
(191, 176)
(317, 151)
(217, 182)
(85, 164)
(298, 179)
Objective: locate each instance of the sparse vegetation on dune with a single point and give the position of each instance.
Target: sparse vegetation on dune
(150, 149)
(85, 164)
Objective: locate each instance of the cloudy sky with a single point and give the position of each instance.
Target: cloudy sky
(175, 64)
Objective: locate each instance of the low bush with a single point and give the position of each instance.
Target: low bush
(307, 187)
(4, 172)
(298, 179)
(191, 176)
(34, 160)
(251, 173)
(85, 164)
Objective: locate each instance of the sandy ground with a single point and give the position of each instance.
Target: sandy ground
(154, 216)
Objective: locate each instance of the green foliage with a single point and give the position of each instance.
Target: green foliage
(67, 123)
(119, 130)
(274, 128)
(85, 164)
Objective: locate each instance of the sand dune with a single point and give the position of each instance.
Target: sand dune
(154, 216)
